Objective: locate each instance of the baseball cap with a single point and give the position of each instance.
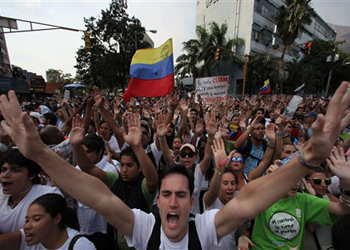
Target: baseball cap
(190, 146)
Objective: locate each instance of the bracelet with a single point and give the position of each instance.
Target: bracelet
(210, 142)
(305, 164)
(161, 138)
(344, 201)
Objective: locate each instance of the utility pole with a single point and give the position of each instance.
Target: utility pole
(334, 58)
(244, 74)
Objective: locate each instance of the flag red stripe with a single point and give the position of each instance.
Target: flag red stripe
(149, 88)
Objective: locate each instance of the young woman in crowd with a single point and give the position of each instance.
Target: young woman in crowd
(49, 224)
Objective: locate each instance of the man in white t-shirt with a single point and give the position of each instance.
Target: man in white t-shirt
(174, 199)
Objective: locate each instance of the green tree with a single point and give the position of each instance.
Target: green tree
(199, 58)
(290, 20)
(107, 64)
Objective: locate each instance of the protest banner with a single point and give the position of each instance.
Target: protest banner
(209, 88)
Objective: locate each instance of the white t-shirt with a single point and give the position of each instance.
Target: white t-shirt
(144, 224)
(198, 179)
(12, 219)
(89, 220)
(229, 241)
(113, 143)
(80, 244)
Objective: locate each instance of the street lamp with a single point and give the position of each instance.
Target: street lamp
(136, 33)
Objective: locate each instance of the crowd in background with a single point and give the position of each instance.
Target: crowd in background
(224, 144)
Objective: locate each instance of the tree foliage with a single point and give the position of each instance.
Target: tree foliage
(290, 20)
(199, 59)
(313, 69)
(112, 34)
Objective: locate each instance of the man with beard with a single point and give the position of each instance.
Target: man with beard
(252, 145)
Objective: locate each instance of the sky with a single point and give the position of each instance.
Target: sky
(39, 51)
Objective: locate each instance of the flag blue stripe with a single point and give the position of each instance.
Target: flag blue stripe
(153, 71)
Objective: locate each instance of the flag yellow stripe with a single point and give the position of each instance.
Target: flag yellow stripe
(152, 56)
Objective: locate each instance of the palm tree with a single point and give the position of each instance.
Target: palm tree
(199, 58)
(290, 21)
(217, 39)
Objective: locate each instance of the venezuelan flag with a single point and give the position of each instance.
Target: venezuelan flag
(151, 72)
(266, 88)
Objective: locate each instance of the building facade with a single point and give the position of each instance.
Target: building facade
(255, 22)
(5, 65)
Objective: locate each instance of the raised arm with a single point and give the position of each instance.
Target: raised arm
(118, 131)
(133, 138)
(76, 139)
(252, 199)
(242, 139)
(266, 160)
(87, 114)
(211, 128)
(221, 161)
(81, 186)
(162, 129)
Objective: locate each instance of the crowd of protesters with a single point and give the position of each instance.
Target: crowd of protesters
(174, 172)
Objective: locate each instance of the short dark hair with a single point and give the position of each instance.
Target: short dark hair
(55, 204)
(129, 152)
(181, 170)
(230, 170)
(51, 117)
(14, 158)
(94, 143)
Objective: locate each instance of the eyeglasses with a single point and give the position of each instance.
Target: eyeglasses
(239, 159)
(189, 154)
(319, 181)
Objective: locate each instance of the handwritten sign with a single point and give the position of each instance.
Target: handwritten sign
(284, 225)
(209, 88)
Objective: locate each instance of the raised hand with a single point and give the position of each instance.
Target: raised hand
(255, 122)
(221, 159)
(309, 188)
(339, 163)
(183, 105)
(162, 128)
(134, 136)
(210, 124)
(98, 97)
(270, 131)
(157, 108)
(281, 123)
(77, 133)
(20, 127)
(199, 127)
(326, 129)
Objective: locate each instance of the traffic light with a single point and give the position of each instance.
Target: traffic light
(217, 54)
(87, 41)
(308, 48)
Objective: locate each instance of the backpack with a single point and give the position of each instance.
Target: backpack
(193, 240)
(74, 240)
(246, 151)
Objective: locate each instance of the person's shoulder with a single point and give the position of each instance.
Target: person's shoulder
(44, 189)
(82, 242)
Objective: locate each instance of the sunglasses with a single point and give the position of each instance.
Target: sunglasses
(319, 181)
(189, 154)
(239, 159)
